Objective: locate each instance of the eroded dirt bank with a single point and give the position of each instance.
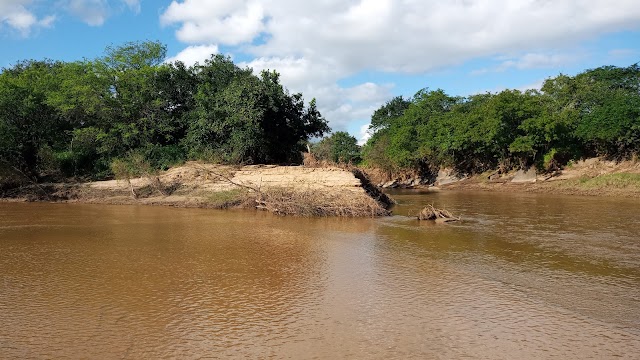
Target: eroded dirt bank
(286, 190)
(591, 177)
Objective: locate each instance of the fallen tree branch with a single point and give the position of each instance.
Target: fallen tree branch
(33, 183)
(429, 212)
(227, 179)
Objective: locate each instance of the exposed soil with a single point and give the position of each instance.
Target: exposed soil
(316, 191)
(287, 190)
(591, 177)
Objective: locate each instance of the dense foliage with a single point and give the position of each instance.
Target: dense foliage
(340, 147)
(60, 119)
(595, 113)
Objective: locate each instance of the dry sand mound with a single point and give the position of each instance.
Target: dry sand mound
(288, 190)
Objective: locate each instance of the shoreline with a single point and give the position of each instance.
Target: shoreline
(589, 177)
(570, 188)
(320, 191)
(282, 190)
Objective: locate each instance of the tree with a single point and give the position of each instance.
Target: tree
(76, 118)
(609, 105)
(134, 55)
(30, 126)
(340, 147)
(251, 119)
(391, 110)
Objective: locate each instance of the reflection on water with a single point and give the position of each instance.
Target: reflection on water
(523, 276)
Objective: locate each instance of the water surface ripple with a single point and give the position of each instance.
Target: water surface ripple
(522, 277)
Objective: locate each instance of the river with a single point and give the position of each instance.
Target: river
(521, 277)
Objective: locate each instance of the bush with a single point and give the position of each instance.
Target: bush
(164, 157)
(131, 166)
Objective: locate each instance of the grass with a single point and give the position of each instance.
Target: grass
(607, 181)
(228, 198)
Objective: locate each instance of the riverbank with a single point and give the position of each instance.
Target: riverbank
(590, 177)
(283, 190)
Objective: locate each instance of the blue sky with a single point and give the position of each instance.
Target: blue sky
(351, 55)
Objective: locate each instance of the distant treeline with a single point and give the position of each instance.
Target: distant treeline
(595, 113)
(75, 119)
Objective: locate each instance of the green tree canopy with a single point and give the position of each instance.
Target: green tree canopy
(76, 118)
(340, 147)
(596, 112)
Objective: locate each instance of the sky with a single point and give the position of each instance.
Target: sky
(350, 55)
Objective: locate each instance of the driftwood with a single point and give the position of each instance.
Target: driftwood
(227, 178)
(313, 203)
(33, 183)
(439, 215)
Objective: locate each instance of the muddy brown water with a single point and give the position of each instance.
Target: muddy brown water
(521, 277)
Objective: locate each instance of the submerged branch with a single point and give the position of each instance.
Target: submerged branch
(429, 212)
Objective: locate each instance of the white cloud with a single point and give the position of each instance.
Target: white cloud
(134, 5)
(342, 105)
(96, 12)
(229, 21)
(47, 21)
(299, 72)
(393, 35)
(194, 54)
(364, 134)
(315, 44)
(623, 53)
(21, 20)
(539, 61)
(16, 14)
(536, 85)
(531, 61)
(92, 12)
(316, 78)
(20, 14)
